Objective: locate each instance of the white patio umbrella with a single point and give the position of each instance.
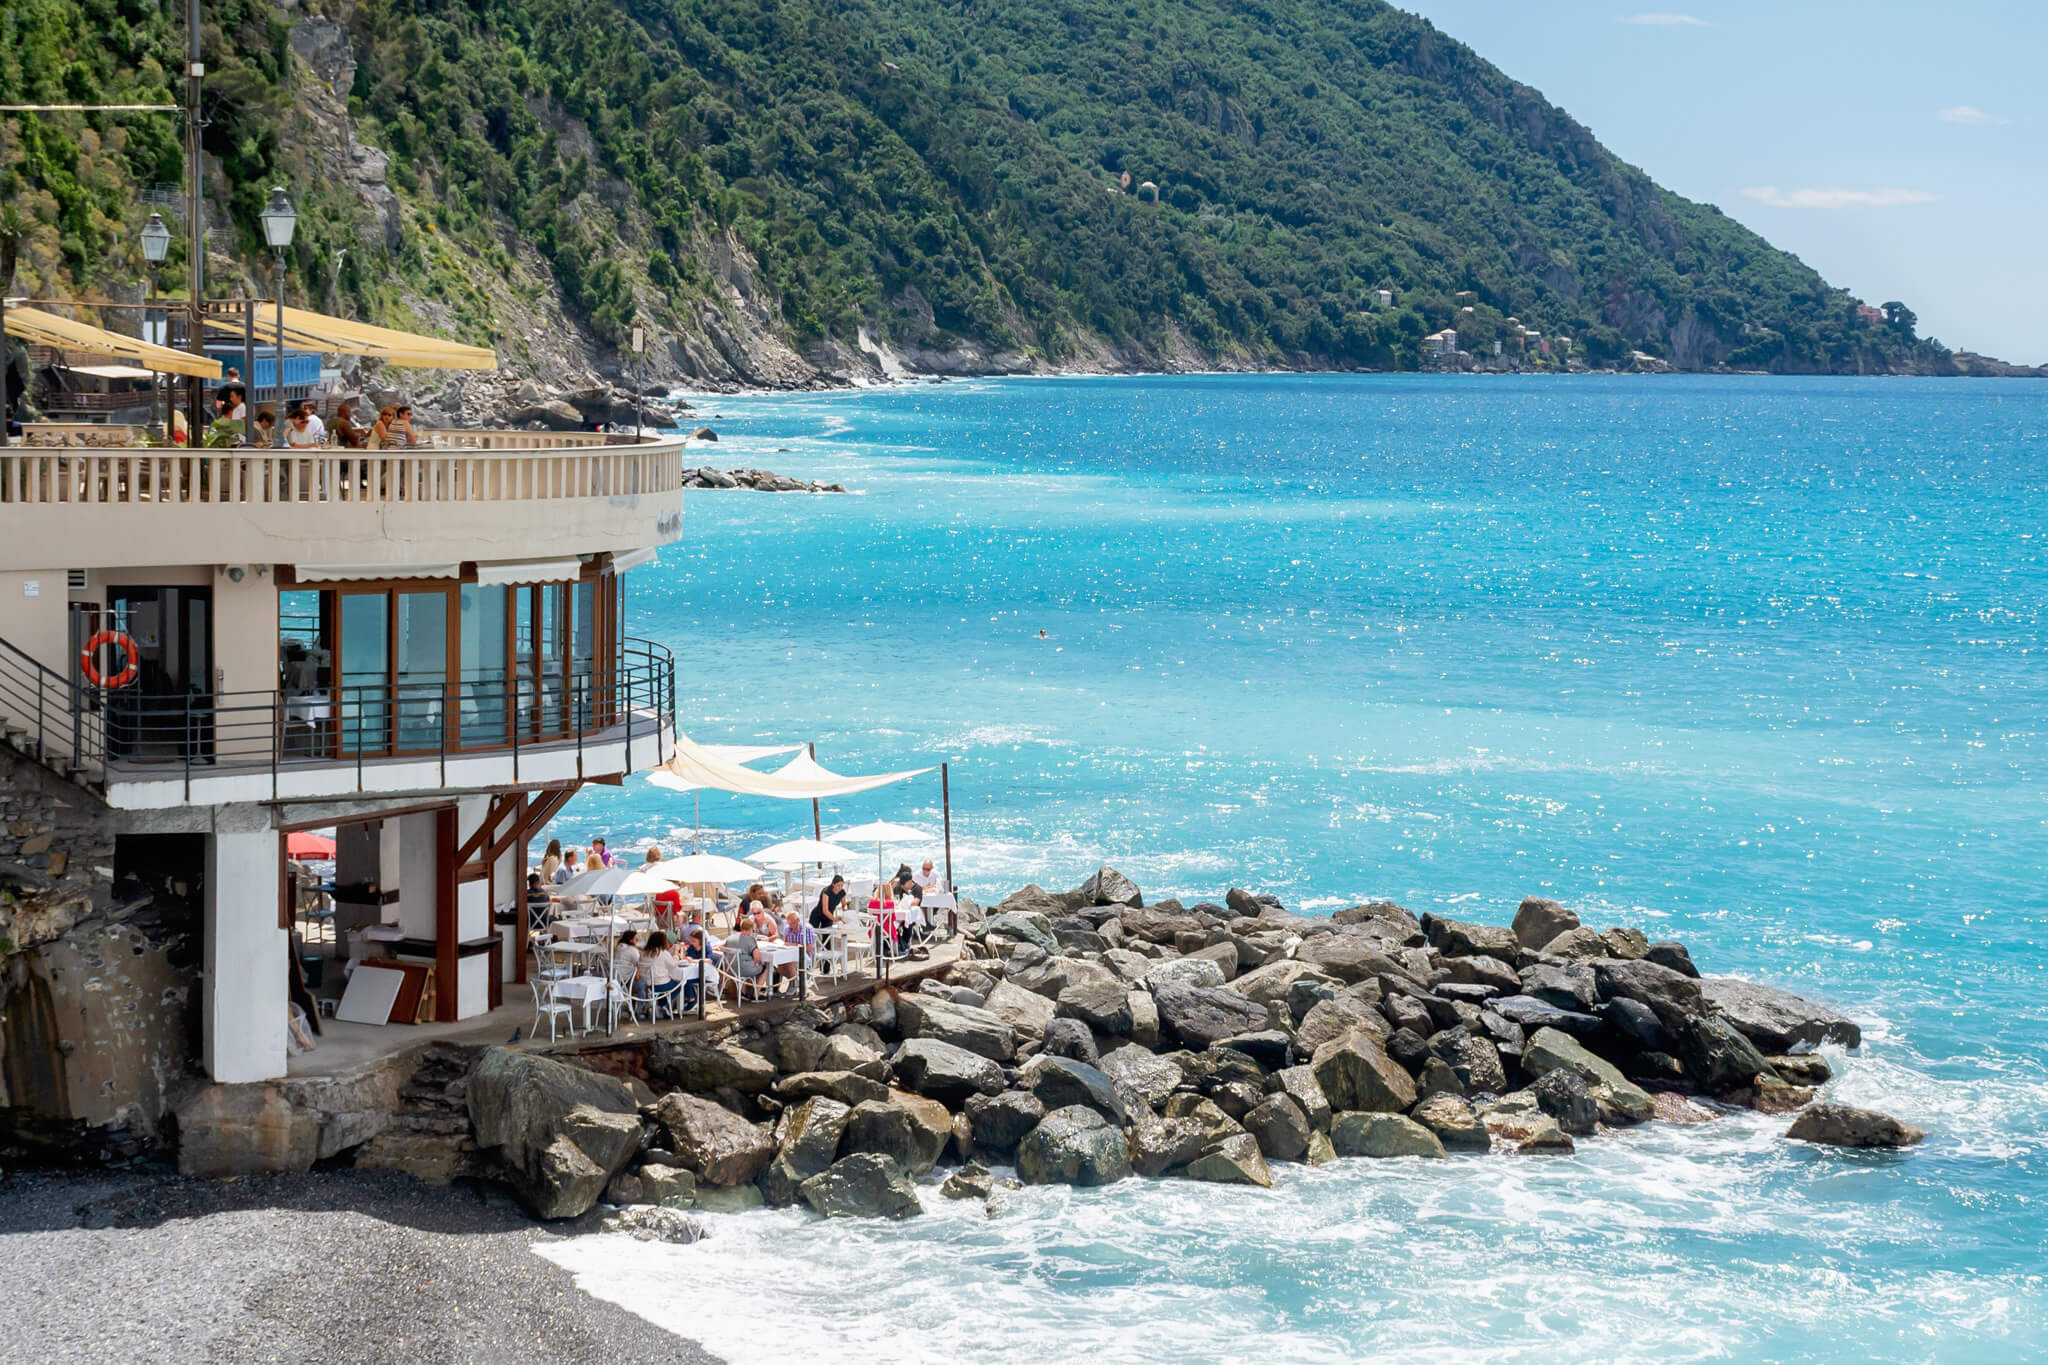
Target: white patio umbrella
(880, 833)
(797, 853)
(699, 869)
(614, 881)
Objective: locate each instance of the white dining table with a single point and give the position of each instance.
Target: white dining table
(590, 990)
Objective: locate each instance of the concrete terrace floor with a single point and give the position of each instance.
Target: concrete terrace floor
(344, 1047)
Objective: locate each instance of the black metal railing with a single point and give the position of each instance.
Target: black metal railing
(46, 711)
(140, 736)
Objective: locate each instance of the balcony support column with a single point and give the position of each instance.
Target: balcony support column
(247, 955)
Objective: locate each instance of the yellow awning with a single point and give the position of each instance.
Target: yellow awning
(68, 334)
(317, 332)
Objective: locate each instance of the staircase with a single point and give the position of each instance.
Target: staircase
(42, 720)
(429, 1136)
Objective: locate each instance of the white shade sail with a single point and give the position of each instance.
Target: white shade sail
(615, 881)
(882, 832)
(734, 754)
(697, 869)
(801, 779)
(801, 853)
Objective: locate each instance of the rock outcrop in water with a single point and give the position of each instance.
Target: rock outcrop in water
(1090, 1037)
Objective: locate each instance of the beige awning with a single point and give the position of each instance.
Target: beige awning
(343, 573)
(529, 570)
(68, 334)
(112, 371)
(310, 331)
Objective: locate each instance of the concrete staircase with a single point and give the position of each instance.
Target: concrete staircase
(428, 1136)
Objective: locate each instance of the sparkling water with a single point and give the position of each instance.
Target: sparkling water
(1754, 664)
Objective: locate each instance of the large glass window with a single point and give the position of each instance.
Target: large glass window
(588, 700)
(483, 664)
(365, 653)
(549, 672)
(422, 667)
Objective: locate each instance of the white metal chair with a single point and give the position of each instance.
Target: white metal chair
(546, 966)
(544, 1003)
(621, 993)
(857, 943)
(741, 985)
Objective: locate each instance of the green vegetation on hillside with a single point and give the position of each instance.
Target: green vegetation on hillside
(947, 170)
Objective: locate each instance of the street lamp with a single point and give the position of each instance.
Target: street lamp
(156, 244)
(280, 220)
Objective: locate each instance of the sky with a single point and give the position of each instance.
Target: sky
(1896, 146)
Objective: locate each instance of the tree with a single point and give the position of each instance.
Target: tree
(1900, 319)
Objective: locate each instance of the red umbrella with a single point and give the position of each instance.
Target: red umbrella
(306, 846)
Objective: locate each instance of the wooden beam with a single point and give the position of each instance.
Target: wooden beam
(501, 806)
(447, 923)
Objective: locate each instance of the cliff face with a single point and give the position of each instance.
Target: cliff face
(814, 191)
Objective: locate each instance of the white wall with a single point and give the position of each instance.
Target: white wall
(247, 959)
(418, 872)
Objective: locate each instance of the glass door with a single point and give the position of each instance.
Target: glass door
(483, 664)
(549, 673)
(363, 711)
(422, 678)
(592, 705)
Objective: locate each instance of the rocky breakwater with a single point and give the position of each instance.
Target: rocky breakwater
(1090, 1038)
(754, 481)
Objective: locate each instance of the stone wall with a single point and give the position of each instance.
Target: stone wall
(98, 982)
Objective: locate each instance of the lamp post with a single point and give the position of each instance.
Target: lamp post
(280, 220)
(156, 244)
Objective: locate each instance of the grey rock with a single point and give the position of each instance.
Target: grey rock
(1456, 938)
(1564, 1095)
(668, 1186)
(845, 1086)
(713, 1143)
(977, 1030)
(701, 1067)
(1718, 1058)
(1026, 1012)
(1480, 970)
(1450, 1117)
(1776, 1020)
(1637, 1025)
(1199, 1017)
(1280, 1127)
(1348, 957)
(864, 1185)
(1672, 955)
(1070, 1038)
(807, 1141)
(1409, 1049)
(1299, 1084)
(1073, 1146)
(971, 1181)
(1568, 986)
(1034, 929)
(1527, 1131)
(1184, 971)
(1305, 994)
(1839, 1125)
(1473, 1059)
(1356, 1074)
(1233, 1161)
(1628, 945)
(1328, 1019)
(1538, 921)
(1102, 1005)
(1354, 1133)
(1107, 886)
(1061, 1082)
(1437, 1078)
(652, 1223)
(1528, 1013)
(1140, 1076)
(1577, 945)
(1675, 997)
(560, 1132)
(1619, 1100)
(1159, 1145)
(948, 1074)
(1144, 1018)
(999, 1122)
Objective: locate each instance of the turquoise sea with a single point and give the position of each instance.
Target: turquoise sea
(1758, 664)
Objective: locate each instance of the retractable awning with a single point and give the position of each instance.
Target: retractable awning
(529, 570)
(309, 331)
(69, 334)
(345, 573)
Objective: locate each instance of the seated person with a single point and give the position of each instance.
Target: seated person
(657, 969)
(537, 903)
(796, 934)
(927, 879)
(742, 955)
(695, 950)
(626, 952)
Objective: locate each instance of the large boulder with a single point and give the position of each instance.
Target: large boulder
(941, 1071)
(1538, 921)
(1199, 1017)
(1032, 900)
(1060, 1082)
(846, 1050)
(1026, 1012)
(702, 1068)
(1356, 1073)
(1564, 1095)
(1073, 1146)
(1107, 886)
(1033, 928)
(1299, 1084)
(1157, 925)
(1382, 1135)
(845, 1086)
(1475, 1061)
(1275, 980)
(1451, 1118)
(1480, 970)
(1673, 955)
(1386, 916)
(1349, 957)
(1456, 938)
(1778, 1021)
(656, 1224)
(909, 1128)
(1528, 1013)
(1576, 945)
(1184, 971)
(1158, 1145)
(1233, 1161)
(1567, 985)
(560, 1132)
(864, 1185)
(1280, 1126)
(713, 1143)
(1718, 1058)
(1071, 1038)
(977, 1030)
(1102, 1005)
(1839, 1125)
(807, 1141)
(1618, 1099)
(999, 1122)
(1529, 1131)
(670, 1186)
(1328, 1019)
(1673, 996)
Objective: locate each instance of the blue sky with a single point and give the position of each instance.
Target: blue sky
(1895, 146)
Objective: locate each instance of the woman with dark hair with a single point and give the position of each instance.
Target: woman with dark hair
(659, 969)
(550, 861)
(831, 902)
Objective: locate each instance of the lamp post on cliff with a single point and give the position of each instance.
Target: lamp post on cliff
(280, 221)
(156, 244)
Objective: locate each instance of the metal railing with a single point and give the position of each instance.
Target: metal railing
(127, 735)
(105, 476)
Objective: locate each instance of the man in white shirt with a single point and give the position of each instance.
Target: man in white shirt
(305, 427)
(927, 879)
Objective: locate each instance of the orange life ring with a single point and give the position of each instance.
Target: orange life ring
(88, 662)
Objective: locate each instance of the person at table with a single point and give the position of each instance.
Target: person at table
(927, 880)
(346, 432)
(626, 952)
(551, 862)
(537, 903)
(599, 851)
(696, 949)
(657, 969)
(796, 934)
(303, 427)
(566, 865)
(595, 862)
(831, 904)
(743, 955)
